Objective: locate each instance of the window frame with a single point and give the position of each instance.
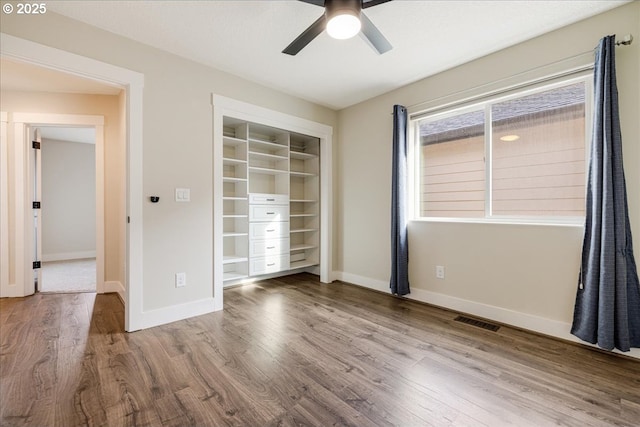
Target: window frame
(484, 103)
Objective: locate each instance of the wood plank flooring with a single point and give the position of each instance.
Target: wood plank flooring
(291, 352)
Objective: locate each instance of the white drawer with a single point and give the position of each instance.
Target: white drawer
(269, 213)
(268, 230)
(270, 264)
(268, 247)
(268, 199)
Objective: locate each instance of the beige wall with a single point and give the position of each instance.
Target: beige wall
(530, 270)
(102, 105)
(177, 146)
(68, 199)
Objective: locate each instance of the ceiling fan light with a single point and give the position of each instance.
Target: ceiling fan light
(344, 26)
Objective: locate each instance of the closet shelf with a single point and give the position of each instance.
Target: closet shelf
(302, 215)
(302, 230)
(267, 144)
(302, 247)
(233, 276)
(232, 161)
(258, 154)
(234, 234)
(267, 171)
(302, 264)
(302, 174)
(301, 156)
(232, 141)
(235, 216)
(302, 201)
(232, 259)
(234, 198)
(233, 179)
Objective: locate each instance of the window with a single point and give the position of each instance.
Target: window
(518, 158)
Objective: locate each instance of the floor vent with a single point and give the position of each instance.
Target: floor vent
(477, 323)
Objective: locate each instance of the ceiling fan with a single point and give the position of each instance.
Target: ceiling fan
(342, 19)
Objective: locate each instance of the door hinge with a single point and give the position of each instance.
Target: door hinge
(36, 205)
(35, 145)
(36, 265)
(128, 220)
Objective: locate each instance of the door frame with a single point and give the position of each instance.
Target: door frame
(132, 82)
(4, 202)
(25, 168)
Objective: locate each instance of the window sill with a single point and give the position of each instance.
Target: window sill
(507, 221)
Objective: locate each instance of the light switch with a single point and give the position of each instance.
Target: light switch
(183, 194)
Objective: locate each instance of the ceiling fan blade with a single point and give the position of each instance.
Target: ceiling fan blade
(371, 3)
(307, 35)
(317, 2)
(372, 35)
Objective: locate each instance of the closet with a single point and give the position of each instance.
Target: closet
(272, 198)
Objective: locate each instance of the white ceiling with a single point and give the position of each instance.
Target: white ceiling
(246, 38)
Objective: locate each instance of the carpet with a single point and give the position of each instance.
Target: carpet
(78, 275)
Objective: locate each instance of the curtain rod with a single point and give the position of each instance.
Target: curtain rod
(626, 41)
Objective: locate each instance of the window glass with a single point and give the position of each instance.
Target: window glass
(538, 155)
(452, 170)
(520, 157)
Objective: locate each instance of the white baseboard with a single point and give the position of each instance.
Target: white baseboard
(63, 256)
(12, 291)
(367, 282)
(161, 316)
(518, 319)
(115, 286)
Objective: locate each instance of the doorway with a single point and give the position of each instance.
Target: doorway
(32, 125)
(65, 186)
(133, 82)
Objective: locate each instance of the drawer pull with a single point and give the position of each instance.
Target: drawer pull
(271, 247)
(270, 230)
(271, 200)
(271, 213)
(271, 265)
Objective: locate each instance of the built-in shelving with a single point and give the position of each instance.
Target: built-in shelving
(271, 194)
(235, 218)
(304, 170)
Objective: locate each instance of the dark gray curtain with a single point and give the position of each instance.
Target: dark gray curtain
(607, 310)
(399, 242)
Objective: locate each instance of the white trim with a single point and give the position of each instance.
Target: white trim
(134, 245)
(542, 325)
(21, 185)
(174, 313)
(114, 287)
(367, 282)
(67, 62)
(223, 106)
(45, 56)
(4, 205)
(100, 194)
(64, 256)
(80, 120)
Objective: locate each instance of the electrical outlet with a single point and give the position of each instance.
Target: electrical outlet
(440, 271)
(181, 280)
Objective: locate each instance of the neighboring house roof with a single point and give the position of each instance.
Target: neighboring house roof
(532, 106)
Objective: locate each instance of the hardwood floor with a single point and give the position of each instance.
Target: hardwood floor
(292, 351)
